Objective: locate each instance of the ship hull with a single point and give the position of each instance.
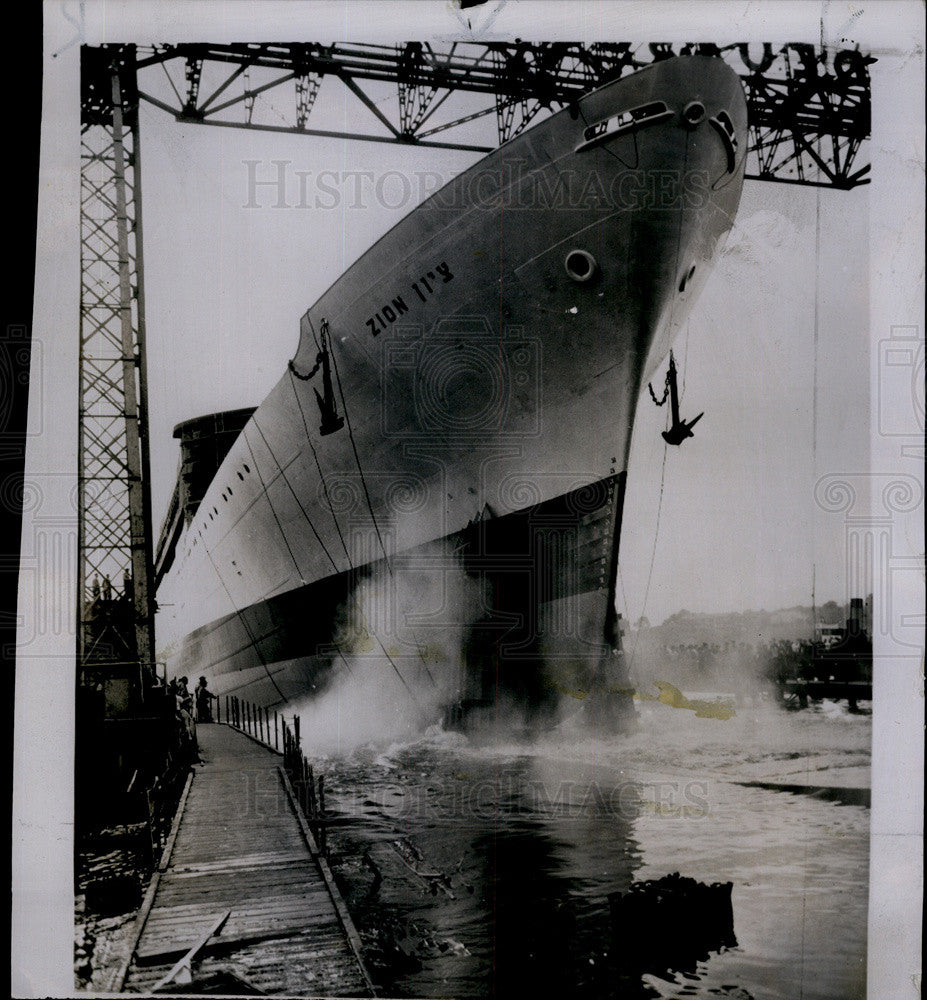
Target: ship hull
(486, 359)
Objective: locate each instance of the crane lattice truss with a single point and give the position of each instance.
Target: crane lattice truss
(809, 112)
(114, 516)
(809, 108)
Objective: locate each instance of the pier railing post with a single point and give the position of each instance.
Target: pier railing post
(310, 788)
(301, 771)
(276, 738)
(260, 716)
(313, 805)
(309, 797)
(152, 843)
(322, 835)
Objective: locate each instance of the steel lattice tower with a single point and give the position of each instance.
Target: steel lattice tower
(116, 608)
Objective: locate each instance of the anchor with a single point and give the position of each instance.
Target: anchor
(331, 422)
(679, 429)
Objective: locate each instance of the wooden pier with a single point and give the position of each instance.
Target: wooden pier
(242, 894)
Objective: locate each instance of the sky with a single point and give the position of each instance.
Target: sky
(230, 266)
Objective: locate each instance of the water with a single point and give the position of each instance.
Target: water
(481, 867)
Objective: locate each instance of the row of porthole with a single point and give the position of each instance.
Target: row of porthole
(226, 493)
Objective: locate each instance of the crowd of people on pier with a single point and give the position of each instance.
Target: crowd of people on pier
(198, 705)
(191, 707)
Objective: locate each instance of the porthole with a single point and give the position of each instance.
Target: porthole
(580, 266)
(245, 467)
(693, 114)
(241, 477)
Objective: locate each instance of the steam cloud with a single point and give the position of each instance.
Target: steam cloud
(401, 659)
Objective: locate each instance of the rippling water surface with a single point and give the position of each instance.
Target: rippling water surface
(481, 867)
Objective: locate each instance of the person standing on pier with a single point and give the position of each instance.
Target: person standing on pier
(184, 698)
(204, 699)
(185, 711)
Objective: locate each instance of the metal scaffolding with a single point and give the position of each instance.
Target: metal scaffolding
(115, 601)
(809, 107)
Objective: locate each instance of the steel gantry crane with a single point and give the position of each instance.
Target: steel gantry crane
(115, 602)
(809, 112)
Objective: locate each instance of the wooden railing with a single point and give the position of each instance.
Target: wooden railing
(266, 726)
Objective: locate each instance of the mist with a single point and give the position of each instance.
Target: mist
(399, 659)
(737, 669)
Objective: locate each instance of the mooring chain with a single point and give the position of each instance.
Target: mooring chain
(319, 358)
(318, 364)
(659, 402)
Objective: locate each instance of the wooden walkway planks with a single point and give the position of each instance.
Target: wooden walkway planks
(239, 846)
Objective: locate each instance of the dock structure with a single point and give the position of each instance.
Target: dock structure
(242, 893)
(852, 691)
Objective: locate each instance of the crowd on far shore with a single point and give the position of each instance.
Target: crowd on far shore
(769, 664)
